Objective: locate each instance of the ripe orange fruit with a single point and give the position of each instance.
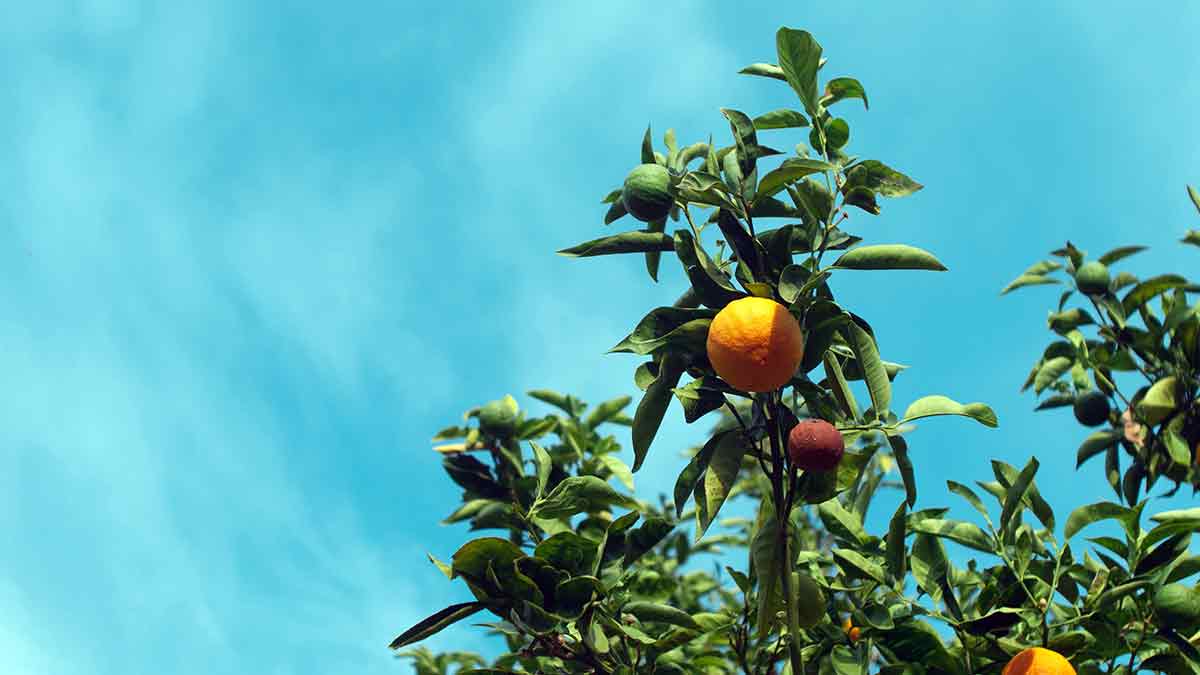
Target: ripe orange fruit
(755, 344)
(1038, 661)
(853, 632)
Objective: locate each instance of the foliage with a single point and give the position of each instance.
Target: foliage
(1136, 342)
(585, 578)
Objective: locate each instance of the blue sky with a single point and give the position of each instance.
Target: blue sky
(255, 254)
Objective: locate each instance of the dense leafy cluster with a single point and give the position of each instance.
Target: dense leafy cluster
(585, 578)
(1137, 375)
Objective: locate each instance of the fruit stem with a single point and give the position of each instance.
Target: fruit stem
(784, 517)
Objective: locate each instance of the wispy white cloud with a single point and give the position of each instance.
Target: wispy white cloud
(164, 506)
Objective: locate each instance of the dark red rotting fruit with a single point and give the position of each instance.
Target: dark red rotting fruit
(815, 445)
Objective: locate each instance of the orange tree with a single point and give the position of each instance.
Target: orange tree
(585, 578)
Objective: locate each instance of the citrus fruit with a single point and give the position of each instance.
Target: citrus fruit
(646, 193)
(755, 344)
(815, 445)
(810, 605)
(499, 418)
(1177, 606)
(1038, 661)
(1091, 408)
(853, 632)
(1092, 278)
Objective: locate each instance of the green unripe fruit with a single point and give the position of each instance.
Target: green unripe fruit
(810, 600)
(1177, 606)
(646, 193)
(1091, 408)
(1092, 278)
(499, 418)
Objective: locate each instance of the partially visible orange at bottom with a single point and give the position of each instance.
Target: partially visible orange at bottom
(1038, 661)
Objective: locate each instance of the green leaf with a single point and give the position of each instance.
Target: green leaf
(929, 564)
(863, 198)
(572, 595)
(469, 510)
(780, 119)
(474, 558)
(874, 374)
(1144, 291)
(1016, 493)
(653, 406)
(647, 147)
(790, 171)
(812, 200)
(690, 476)
(888, 257)
(881, 178)
(764, 555)
(896, 554)
(839, 386)
(615, 212)
(619, 469)
(1067, 320)
(746, 141)
(665, 326)
(822, 321)
(636, 241)
(543, 465)
(568, 404)
(653, 257)
(841, 88)
(764, 70)
(1159, 401)
(972, 498)
(796, 280)
(900, 451)
(436, 622)
(999, 621)
(747, 248)
(723, 467)
(441, 566)
(841, 523)
(845, 661)
(930, 406)
(1195, 196)
(1008, 476)
(606, 411)
(799, 57)
(644, 538)
(1051, 370)
(1028, 280)
(472, 475)
(568, 552)
(1190, 517)
(1177, 447)
(1164, 554)
(1061, 400)
(958, 531)
(711, 283)
(856, 564)
(701, 187)
(578, 494)
(656, 613)
(1120, 253)
(1091, 513)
